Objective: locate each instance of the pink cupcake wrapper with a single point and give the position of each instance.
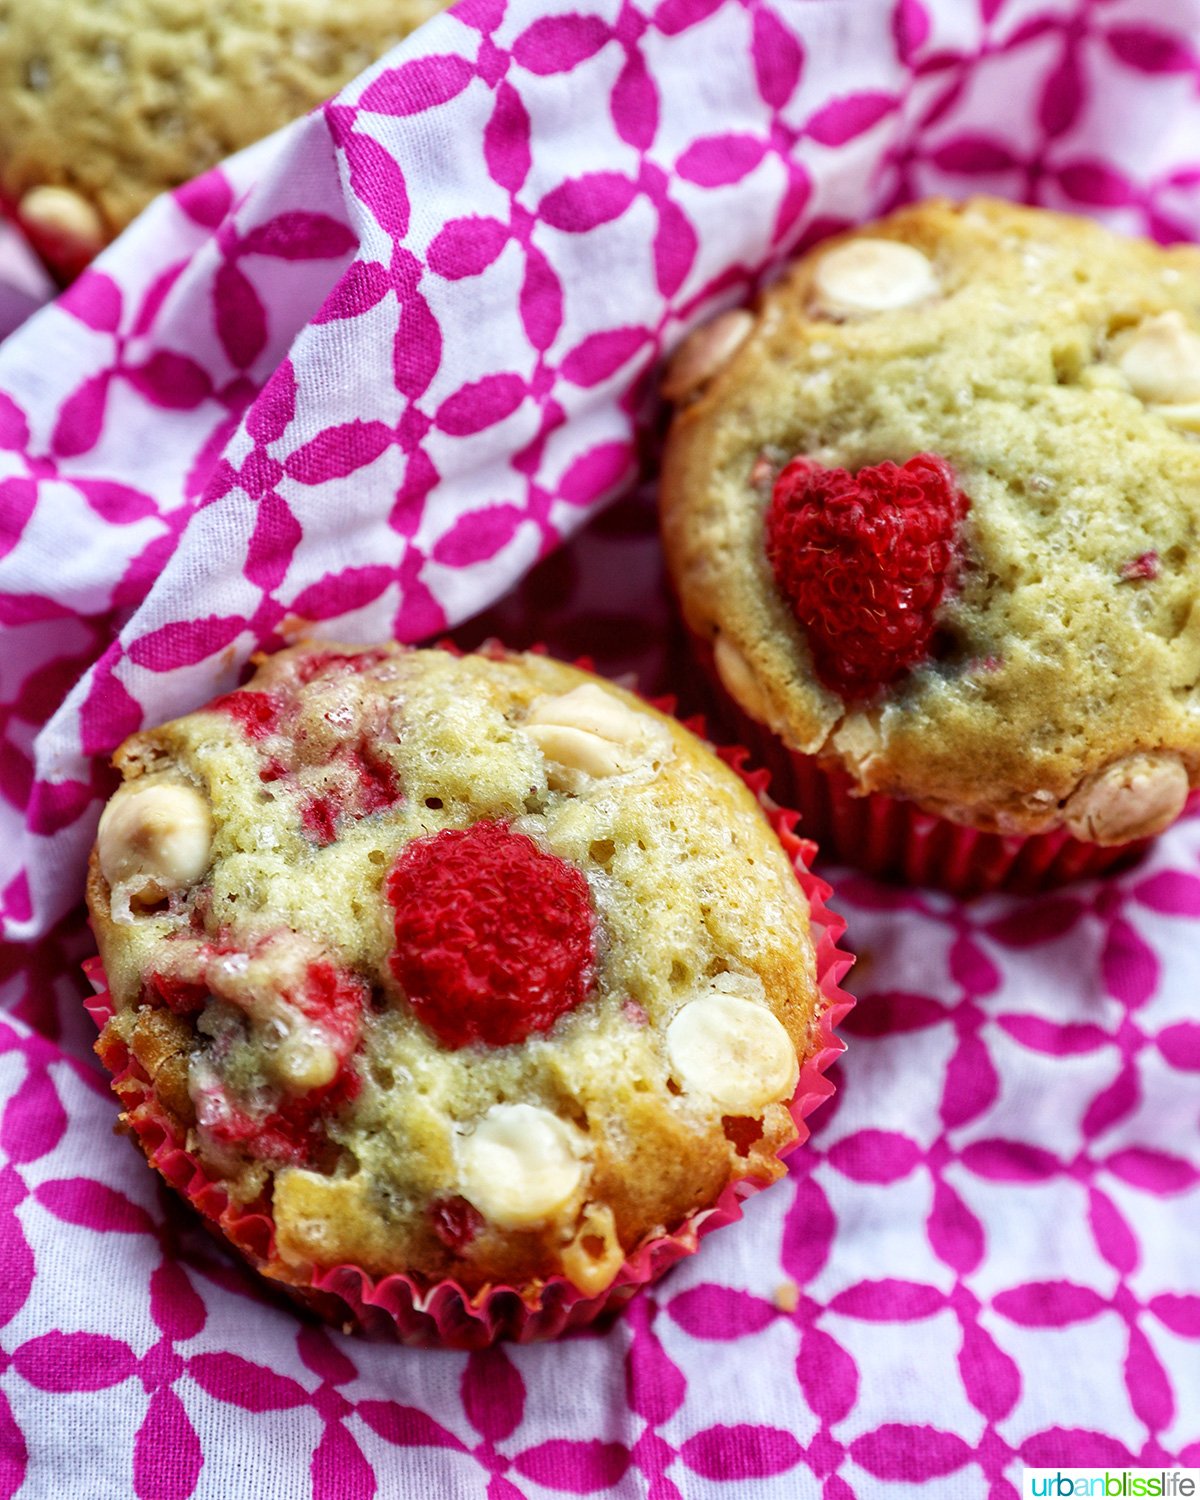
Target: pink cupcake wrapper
(896, 839)
(443, 1313)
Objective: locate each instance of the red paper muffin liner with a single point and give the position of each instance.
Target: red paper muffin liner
(442, 1313)
(897, 840)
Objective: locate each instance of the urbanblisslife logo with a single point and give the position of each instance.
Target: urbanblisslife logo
(1118, 1483)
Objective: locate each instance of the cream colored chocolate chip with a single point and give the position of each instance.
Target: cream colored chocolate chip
(154, 838)
(703, 353)
(302, 1062)
(578, 750)
(59, 215)
(738, 680)
(591, 731)
(1161, 362)
(744, 986)
(869, 276)
(520, 1165)
(1133, 798)
(733, 1050)
(859, 742)
(1184, 414)
(595, 1254)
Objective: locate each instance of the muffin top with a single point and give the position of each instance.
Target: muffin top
(469, 966)
(108, 105)
(934, 504)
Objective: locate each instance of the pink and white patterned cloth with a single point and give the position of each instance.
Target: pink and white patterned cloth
(357, 382)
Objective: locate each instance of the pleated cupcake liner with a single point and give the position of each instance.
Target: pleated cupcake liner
(894, 839)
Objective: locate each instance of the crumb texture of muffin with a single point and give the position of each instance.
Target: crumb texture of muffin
(108, 105)
(470, 967)
(1053, 368)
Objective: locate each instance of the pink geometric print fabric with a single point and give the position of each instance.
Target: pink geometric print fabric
(357, 382)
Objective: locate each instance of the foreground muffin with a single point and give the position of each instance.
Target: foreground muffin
(454, 971)
(931, 510)
(107, 106)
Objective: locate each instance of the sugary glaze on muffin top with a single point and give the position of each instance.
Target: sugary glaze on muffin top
(473, 966)
(1047, 671)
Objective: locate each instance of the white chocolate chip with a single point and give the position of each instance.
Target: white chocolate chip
(206, 1092)
(736, 1052)
(703, 353)
(302, 1062)
(1161, 362)
(589, 732)
(68, 222)
(868, 276)
(744, 986)
(591, 708)
(594, 1255)
(1133, 798)
(738, 680)
(520, 1165)
(859, 742)
(155, 837)
(577, 750)
(1185, 414)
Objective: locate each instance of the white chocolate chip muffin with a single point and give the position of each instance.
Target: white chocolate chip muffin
(474, 967)
(931, 511)
(108, 105)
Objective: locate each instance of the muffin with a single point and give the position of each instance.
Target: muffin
(931, 512)
(465, 987)
(107, 106)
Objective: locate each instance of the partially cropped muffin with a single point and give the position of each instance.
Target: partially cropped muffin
(105, 106)
(931, 510)
(468, 968)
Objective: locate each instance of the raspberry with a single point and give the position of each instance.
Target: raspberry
(184, 996)
(1144, 566)
(315, 662)
(266, 1122)
(366, 782)
(182, 986)
(258, 713)
(292, 1135)
(335, 1001)
(865, 560)
(318, 818)
(493, 937)
(368, 785)
(258, 1115)
(379, 786)
(455, 1222)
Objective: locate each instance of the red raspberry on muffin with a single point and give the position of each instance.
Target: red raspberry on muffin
(865, 561)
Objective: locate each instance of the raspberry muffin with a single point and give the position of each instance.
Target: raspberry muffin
(931, 511)
(107, 106)
(474, 979)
